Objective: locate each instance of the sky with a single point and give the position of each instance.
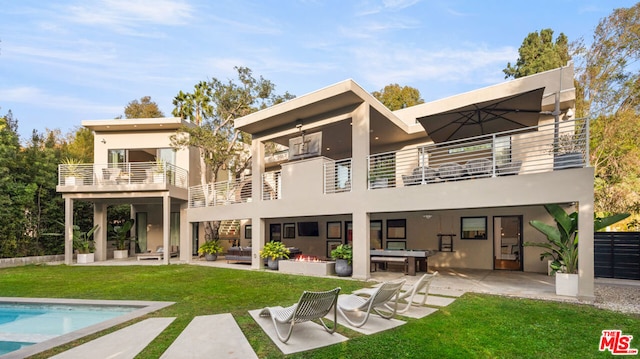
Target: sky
(62, 62)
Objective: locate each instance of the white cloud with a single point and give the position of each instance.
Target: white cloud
(125, 15)
(404, 65)
(39, 98)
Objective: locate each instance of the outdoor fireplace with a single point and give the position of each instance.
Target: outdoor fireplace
(307, 265)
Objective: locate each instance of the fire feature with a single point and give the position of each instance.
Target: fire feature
(307, 265)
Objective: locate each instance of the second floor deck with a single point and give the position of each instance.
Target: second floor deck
(539, 149)
(125, 176)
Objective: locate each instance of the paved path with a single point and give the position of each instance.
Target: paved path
(211, 336)
(122, 344)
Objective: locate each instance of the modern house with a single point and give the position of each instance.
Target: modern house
(134, 164)
(462, 176)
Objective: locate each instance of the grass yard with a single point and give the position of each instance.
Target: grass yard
(474, 326)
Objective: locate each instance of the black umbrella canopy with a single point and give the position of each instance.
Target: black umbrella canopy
(503, 114)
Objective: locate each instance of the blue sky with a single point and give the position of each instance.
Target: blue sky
(62, 62)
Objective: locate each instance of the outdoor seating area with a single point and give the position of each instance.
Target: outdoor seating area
(158, 253)
(367, 311)
(475, 168)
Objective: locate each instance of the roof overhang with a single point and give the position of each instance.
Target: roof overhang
(136, 124)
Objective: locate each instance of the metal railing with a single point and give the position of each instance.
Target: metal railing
(220, 193)
(126, 173)
(271, 185)
(337, 176)
(536, 149)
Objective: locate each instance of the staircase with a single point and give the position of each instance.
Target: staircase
(229, 228)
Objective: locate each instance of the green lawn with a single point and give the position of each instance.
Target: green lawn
(474, 326)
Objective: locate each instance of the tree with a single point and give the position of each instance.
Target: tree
(145, 108)
(539, 53)
(213, 106)
(610, 85)
(397, 97)
(79, 145)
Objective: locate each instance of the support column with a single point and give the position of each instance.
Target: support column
(257, 169)
(257, 242)
(68, 231)
(100, 235)
(360, 134)
(361, 235)
(166, 225)
(257, 223)
(585, 250)
(186, 245)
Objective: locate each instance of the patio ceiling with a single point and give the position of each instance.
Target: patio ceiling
(329, 110)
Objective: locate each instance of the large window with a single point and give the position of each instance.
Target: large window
(473, 228)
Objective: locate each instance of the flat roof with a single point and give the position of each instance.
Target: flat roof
(136, 124)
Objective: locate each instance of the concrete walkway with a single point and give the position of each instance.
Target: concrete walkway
(125, 343)
(211, 336)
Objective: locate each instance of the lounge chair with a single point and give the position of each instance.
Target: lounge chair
(158, 254)
(352, 303)
(310, 306)
(405, 298)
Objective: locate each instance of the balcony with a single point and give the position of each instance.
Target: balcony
(530, 150)
(125, 176)
(538, 149)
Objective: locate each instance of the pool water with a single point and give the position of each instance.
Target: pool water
(22, 325)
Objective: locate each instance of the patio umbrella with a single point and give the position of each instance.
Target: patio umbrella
(503, 114)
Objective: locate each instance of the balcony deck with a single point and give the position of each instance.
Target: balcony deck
(531, 150)
(121, 177)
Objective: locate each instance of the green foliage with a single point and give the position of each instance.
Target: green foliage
(210, 247)
(397, 97)
(145, 108)
(343, 251)
(83, 241)
(121, 234)
(213, 106)
(509, 327)
(274, 250)
(539, 53)
(562, 245)
(610, 85)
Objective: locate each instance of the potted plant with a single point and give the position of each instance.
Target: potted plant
(567, 152)
(381, 173)
(158, 172)
(83, 243)
(343, 255)
(562, 245)
(274, 251)
(120, 234)
(210, 250)
(72, 172)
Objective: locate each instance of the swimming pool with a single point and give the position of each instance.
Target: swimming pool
(28, 326)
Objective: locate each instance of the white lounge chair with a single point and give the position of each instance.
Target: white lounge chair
(310, 306)
(352, 303)
(405, 299)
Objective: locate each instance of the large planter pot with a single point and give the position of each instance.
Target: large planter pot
(567, 284)
(210, 257)
(158, 178)
(343, 268)
(273, 263)
(120, 254)
(73, 181)
(84, 258)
